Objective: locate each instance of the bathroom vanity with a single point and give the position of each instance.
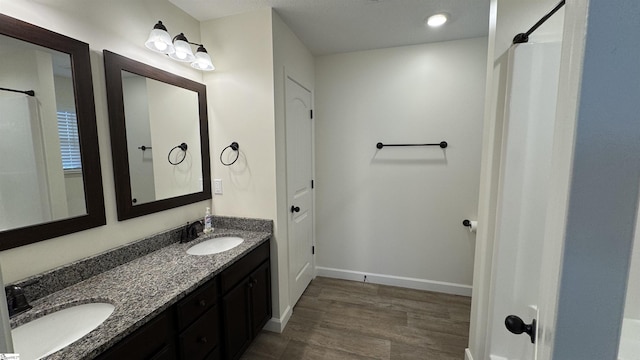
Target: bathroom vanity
(216, 321)
(169, 304)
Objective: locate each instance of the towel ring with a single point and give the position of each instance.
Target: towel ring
(234, 146)
(182, 147)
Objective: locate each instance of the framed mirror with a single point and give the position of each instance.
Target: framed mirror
(50, 177)
(159, 137)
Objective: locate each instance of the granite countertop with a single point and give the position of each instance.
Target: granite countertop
(139, 290)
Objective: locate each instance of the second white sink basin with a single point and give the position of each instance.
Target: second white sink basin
(215, 245)
(50, 333)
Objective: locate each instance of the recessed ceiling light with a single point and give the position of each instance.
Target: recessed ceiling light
(437, 20)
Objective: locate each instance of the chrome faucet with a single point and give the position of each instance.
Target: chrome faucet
(16, 300)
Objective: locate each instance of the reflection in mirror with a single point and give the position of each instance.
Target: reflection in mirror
(42, 180)
(157, 117)
(151, 113)
(50, 180)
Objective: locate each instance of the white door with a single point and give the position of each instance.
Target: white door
(299, 188)
(523, 196)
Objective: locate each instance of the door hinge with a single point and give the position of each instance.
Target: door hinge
(311, 113)
(313, 250)
(312, 184)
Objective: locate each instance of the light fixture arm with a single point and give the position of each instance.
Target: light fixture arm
(180, 37)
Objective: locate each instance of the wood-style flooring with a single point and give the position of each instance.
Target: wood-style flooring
(338, 319)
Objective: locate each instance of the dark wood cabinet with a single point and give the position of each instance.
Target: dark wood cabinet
(236, 320)
(260, 297)
(202, 337)
(153, 341)
(218, 320)
(246, 306)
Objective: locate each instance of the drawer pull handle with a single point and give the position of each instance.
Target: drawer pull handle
(202, 302)
(202, 339)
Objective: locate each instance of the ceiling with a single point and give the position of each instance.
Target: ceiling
(336, 26)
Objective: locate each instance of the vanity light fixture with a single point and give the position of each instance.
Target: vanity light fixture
(159, 40)
(437, 20)
(178, 48)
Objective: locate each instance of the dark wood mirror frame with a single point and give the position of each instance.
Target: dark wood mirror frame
(87, 129)
(114, 65)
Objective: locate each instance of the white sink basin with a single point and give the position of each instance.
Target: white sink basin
(50, 333)
(215, 245)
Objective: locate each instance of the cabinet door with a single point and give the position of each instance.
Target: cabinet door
(260, 297)
(237, 322)
(152, 341)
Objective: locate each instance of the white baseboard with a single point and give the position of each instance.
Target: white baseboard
(467, 354)
(411, 283)
(277, 325)
(495, 357)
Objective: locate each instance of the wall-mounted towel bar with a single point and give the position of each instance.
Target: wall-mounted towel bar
(524, 37)
(442, 144)
(27, 92)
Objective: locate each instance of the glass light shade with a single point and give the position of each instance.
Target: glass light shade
(202, 61)
(159, 40)
(437, 20)
(183, 50)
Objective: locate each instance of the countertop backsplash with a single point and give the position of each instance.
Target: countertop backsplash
(41, 285)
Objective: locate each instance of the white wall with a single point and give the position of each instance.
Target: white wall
(95, 22)
(240, 94)
(397, 212)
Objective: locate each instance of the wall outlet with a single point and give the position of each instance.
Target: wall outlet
(217, 186)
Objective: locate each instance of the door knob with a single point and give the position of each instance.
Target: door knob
(295, 208)
(517, 326)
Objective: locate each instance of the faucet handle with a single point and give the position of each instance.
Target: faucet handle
(16, 300)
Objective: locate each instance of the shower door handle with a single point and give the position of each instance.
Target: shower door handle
(515, 325)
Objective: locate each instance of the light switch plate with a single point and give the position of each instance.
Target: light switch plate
(217, 186)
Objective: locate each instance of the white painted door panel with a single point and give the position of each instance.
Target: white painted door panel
(523, 194)
(299, 191)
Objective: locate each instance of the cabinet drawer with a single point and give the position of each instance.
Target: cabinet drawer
(243, 267)
(197, 341)
(194, 305)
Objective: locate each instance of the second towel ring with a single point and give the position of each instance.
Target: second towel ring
(234, 146)
(182, 147)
